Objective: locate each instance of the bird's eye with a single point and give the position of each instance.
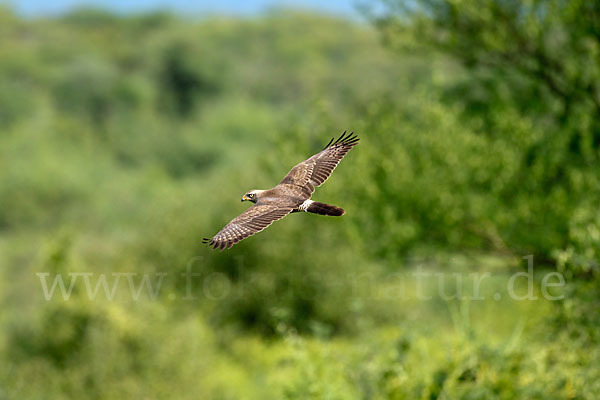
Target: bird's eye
(251, 195)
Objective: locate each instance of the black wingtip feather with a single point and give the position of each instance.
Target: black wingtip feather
(329, 144)
(346, 139)
(341, 138)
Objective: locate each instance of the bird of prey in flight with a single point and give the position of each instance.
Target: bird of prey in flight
(291, 195)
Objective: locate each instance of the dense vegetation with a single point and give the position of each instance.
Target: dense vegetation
(124, 140)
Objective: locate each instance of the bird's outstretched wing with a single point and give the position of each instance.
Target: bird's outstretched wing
(315, 170)
(251, 221)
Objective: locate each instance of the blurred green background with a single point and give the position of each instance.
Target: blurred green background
(127, 138)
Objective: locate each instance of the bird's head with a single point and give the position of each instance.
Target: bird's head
(251, 196)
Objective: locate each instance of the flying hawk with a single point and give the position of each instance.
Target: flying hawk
(291, 195)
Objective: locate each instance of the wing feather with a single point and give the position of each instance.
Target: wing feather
(315, 170)
(251, 221)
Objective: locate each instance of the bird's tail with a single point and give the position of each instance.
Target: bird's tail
(325, 209)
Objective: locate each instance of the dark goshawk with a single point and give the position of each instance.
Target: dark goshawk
(291, 195)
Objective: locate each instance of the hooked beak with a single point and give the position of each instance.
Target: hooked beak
(244, 198)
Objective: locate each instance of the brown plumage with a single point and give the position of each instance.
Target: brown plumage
(291, 195)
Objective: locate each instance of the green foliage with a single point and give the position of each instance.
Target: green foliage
(124, 140)
(532, 85)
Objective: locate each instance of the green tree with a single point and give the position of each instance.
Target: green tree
(532, 63)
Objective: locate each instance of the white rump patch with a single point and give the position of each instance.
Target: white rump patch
(304, 206)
